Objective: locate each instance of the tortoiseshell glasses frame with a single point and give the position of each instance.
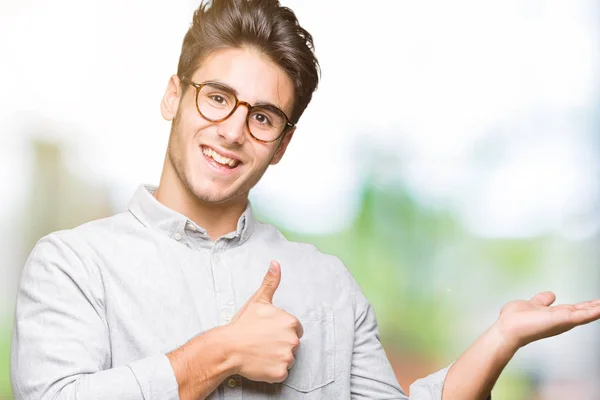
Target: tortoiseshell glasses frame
(287, 124)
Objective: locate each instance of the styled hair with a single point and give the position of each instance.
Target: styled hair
(264, 25)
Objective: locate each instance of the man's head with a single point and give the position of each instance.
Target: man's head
(262, 24)
(249, 52)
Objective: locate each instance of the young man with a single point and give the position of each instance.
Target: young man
(170, 299)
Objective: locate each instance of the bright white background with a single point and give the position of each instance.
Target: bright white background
(428, 80)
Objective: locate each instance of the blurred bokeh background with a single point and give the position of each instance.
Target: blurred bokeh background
(451, 158)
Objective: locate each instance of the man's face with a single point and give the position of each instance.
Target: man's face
(194, 140)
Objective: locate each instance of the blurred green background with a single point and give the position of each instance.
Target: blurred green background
(450, 157)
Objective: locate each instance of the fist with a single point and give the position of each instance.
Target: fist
(266, 337)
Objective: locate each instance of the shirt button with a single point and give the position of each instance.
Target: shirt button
(227, 316)
(232, 383)
(192, 227)
(177, 236)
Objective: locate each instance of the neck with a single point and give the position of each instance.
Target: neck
(217, 219)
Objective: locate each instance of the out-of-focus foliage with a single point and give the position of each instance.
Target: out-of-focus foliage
(5, 334)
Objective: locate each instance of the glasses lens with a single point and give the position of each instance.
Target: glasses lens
(266, 123)
(215, 102)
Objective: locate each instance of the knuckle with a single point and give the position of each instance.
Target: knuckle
(283, 374)
(293, 323)
(288, 358)
(280, 374)
(295, 341)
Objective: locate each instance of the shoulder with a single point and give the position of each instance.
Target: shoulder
(120, 223)
(76, 245)
(65, 258)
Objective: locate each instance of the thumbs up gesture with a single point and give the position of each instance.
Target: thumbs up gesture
(266, 336)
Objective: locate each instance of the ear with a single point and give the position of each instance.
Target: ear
(285, 141)
(171, 98)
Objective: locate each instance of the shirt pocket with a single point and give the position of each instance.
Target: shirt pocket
(315, 359)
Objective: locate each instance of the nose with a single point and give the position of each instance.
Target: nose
(233, 129)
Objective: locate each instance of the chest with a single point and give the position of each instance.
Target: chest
(160, 299)
(157, 302)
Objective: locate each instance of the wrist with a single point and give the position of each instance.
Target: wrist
(506, 343)
(476, 371)
(230, 349)
(207, 356)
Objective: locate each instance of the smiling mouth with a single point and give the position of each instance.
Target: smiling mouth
(220, 159)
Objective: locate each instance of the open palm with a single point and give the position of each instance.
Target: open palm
(524, 321)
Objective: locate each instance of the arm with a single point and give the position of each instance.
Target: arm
(521, 322)
(60, 346)
(476, 371)
(474, 374)
(202, 364)
(371, 374)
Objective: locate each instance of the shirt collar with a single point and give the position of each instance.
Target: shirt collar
(153, 214)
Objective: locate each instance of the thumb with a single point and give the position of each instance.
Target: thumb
(543, 299)
(270, 284)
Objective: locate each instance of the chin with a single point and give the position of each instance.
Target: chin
(212, 195)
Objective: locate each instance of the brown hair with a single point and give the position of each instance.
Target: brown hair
(262, 24)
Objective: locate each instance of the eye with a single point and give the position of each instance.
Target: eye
(262, 119)
(218, 98)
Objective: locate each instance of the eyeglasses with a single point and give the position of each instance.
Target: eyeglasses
(216, 102)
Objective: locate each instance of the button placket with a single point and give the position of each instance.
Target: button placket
(223, 284)
(226, 316)
(233, 387)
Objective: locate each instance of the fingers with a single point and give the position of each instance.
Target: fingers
(543, 299)
(269, 285)
(295, 324)
(295, 348)
(291, 363)
(586, 314)
(587, 304)
(299, 330)
(292, 359)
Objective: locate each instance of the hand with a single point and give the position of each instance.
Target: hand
(522, 322)
(266, 337)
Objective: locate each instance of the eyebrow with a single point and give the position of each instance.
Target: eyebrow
(236, 93)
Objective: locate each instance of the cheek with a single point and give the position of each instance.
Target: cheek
(190, 130)
(263, 156)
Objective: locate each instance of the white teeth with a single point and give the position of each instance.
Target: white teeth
(217, 157)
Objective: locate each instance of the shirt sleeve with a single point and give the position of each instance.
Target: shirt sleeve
(372, 376)
(431, 386)
(61, 346)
